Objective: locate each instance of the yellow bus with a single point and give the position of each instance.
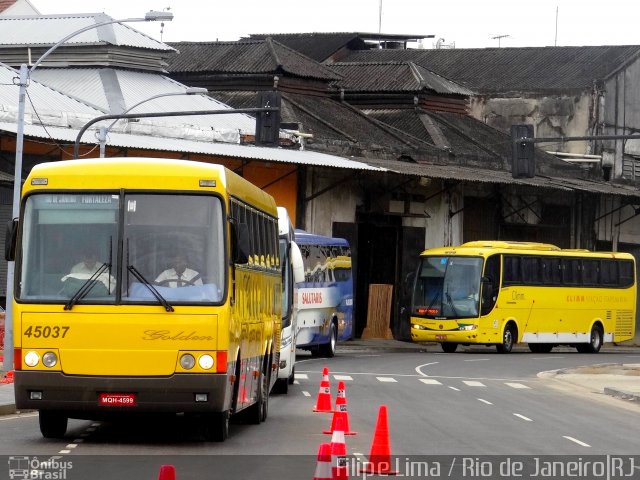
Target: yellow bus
(145, 286)
(501, 293)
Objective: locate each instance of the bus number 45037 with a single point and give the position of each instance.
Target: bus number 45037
(39, 331)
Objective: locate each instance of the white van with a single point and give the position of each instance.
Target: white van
(292, 274)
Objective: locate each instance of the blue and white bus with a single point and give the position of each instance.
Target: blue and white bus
(325, 298)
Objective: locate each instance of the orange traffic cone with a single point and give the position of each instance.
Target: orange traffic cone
(323, 467)
(323, 400)
(167, 472)
(340, 412)
(380, 455)
(339, 453)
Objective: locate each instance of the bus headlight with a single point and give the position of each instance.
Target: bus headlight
(49, 359)
(31, 359)
(205, 362)
(467, 327)
(187, 361)
(418, 327)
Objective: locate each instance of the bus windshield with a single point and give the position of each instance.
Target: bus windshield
(116, 248)
(447, 287)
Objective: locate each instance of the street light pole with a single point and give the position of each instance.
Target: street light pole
(23, 83)
(102, 132)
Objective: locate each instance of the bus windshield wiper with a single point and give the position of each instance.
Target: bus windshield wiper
(86, 287)
(136, 273)
(450, 303)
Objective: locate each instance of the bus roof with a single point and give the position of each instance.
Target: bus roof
(146, 174)
(486, 247)
(306, 238)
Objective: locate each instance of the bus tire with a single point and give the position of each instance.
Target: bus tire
(52, 424)
(281, 386)
(540, 347)
(216, 427)
(596, 340)
(509, 336)
(329, 349)
(449, 347)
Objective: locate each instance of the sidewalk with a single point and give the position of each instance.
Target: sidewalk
(617, 380)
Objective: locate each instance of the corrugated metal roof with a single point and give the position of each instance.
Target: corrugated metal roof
(45, 99)
(133, 87)
(475, 174)
(212, 148)
(318, 46)
(47, 30)
(394, 77)
(513, 69)
(248, 56)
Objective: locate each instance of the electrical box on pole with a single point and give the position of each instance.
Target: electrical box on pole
(523, 160)
(268, 123)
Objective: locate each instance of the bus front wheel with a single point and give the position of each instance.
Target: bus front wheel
(217, 427)
(329, 349)
(508, 339)
(52, 424)
(595, 341)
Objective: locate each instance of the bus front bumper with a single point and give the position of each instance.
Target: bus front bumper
(173, 394)
(454, 336)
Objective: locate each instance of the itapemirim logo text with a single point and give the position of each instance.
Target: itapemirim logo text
(32, 468)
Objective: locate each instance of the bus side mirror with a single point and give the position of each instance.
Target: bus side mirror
(240, 243)
(10, 240)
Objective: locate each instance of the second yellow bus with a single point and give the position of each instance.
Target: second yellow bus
(501, 293)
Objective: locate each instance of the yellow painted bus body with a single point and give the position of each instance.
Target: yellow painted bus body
(131, 347)
(541, 312)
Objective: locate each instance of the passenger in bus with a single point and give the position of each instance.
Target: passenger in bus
(88, 261)
(179, 275)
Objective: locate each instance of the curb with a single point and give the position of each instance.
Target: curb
(614, 392)
(8, 409)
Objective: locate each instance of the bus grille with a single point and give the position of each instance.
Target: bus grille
(624, 323)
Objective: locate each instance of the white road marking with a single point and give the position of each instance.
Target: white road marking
(454, 388)
(64, 451)
(296, 382)
(523, 417)
(430, 381)
(306, 394)
(387, 380)
(473, 383)
(516, 385)
(301, 376)
(343, 377)
(485, 401)
(477, 360)
(575, 440)
(71, 445)
(95, 424)
(419, 368)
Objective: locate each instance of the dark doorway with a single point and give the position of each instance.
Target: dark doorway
(385, 253)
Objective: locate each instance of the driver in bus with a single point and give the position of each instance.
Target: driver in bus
(88, 266)
(179, 275)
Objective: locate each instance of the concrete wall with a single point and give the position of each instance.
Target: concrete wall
(622, 114)
(551, 115)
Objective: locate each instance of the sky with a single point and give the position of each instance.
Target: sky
(463, 23)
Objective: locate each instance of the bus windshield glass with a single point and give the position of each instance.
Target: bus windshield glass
(108, 248)
(447, 287)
